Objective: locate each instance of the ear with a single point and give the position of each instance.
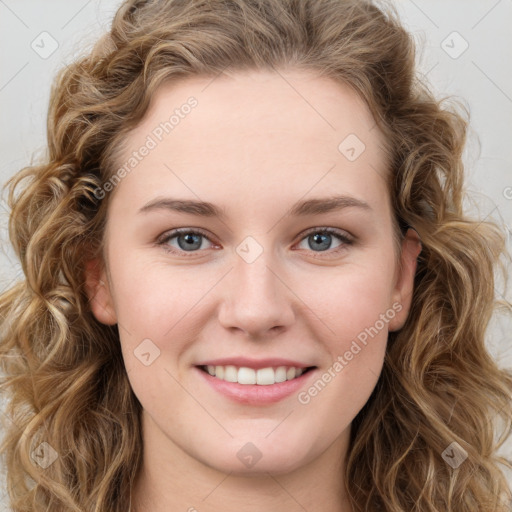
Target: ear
(98, 292)
(404, 285)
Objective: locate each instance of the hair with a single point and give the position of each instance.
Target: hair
(64, 375)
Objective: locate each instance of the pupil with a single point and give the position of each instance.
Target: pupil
(190, 240)
(318, 238)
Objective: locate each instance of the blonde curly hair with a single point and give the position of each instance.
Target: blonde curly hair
(64, 376)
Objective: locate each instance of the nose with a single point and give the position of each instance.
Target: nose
(257, 300)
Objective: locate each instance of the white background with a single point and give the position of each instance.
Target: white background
(481, 76)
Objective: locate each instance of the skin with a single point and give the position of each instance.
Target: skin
(253, 146)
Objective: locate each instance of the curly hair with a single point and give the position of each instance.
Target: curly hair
(64, 375)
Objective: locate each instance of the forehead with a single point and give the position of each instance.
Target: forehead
(261, 103)
(257, 132)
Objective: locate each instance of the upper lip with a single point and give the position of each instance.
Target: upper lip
(253, 363)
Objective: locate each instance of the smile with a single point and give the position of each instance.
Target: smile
(250, 376)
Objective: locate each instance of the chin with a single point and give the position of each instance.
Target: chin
(261, 456)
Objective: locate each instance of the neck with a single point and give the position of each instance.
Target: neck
(171, 479)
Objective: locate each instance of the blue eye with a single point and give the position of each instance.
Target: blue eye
(321, 239)
(191, 240)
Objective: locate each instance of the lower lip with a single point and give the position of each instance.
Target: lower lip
(254, 394)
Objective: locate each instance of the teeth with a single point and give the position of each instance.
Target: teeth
(230, 373)
(246, 376)
(290, 373)
(280, 374)
(265, 376)
(262, 376)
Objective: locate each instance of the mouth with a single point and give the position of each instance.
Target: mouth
(251, 376)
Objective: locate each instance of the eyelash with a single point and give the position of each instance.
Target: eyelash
(166, 237)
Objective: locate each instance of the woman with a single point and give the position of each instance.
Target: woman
(250, 282)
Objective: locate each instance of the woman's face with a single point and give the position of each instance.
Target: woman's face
(253, 282)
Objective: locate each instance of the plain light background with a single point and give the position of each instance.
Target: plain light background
(464, 50)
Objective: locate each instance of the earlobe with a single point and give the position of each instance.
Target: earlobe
(404, 287)
(98, 292)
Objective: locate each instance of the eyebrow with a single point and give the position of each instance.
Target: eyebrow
(314, 206)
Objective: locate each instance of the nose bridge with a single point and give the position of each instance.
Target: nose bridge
(257, 279)
(256, 299)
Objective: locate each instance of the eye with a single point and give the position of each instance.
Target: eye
(321, 239)
(190, 240)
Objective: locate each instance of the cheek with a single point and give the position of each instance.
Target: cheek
(352, 298)
(354, 315)
(152, 296)
(355, 309)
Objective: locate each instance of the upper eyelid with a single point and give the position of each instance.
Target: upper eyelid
(178, 231)
(330, 230)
